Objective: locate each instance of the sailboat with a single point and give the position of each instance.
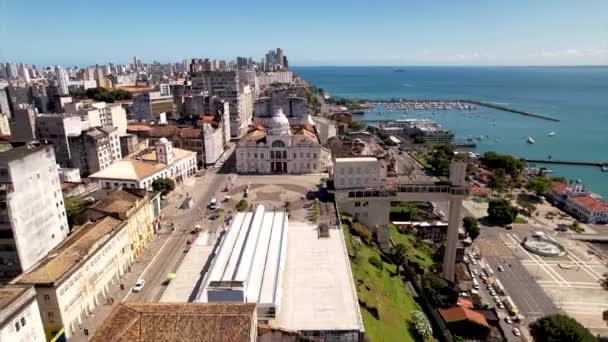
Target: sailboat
(530, 140)
(551, 134)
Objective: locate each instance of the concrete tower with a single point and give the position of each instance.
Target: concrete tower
(164, 151)
(458, 170)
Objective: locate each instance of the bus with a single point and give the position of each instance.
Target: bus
(498, 287)
(510, 306)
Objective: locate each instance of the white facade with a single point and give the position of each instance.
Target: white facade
(73, 282)
(19, 315)
(5, 127)
(62, 80)
(140, 170)
(31, 207)
(279, 149)
(100, 114)
(215, 138)
(358, 172)
(268, 78)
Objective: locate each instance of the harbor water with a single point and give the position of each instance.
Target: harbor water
(577, 96)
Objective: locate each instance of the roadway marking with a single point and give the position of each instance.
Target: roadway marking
(547, 268)
(581, 263)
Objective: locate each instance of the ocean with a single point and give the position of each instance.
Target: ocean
(578, 96)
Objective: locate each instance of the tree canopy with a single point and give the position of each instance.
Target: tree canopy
(440, 159)
(501, 212)
(164, 185)
(498, 180)
(469, 223)
(400, 254)
(436, 288)
(511, 165)
(357, 126)
(107, 95)
(73, 207)
(539, 185)
(560, 328)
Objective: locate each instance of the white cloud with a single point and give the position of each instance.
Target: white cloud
(592, 52)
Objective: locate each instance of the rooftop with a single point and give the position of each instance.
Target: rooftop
(117, 202)
(302, 133)
(355, 159)
(138, 166)
(318, 288)
(250, 257)
(69, 253)
(185, 285)
(458, 313)
(139, 322)
(591, 203)
(559, 187)
(9, 294)
(23, 151)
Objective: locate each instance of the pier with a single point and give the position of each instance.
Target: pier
(568, 162)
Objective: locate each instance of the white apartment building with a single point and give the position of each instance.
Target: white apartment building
(5, 127)
(138, 171)
(62, 80)
(19, 315)
(4, 107)
(358, 172)
(32, 214)
(227, 86)
(59, 130)
(95, 149)
(268, 78)
(100, 114)
(75, 277)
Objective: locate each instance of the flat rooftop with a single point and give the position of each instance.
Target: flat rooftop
(250, 258)
(9, 294)
(318, 288)
(355, 159)
(190, 273)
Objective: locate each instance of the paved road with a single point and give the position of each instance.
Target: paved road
(184, 220)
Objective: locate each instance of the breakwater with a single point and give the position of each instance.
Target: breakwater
(567, 162)
(458, 104)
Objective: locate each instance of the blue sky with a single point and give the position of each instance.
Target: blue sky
(331, 32)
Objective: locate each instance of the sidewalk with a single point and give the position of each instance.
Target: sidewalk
(128, 279)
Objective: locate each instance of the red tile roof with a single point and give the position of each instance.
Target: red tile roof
(464, 303)
(559, 187)
(457, 314)
(138, 128)
(591, 203)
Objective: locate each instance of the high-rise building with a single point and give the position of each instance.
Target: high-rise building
(279, 55)
(31, 207)
(62, 80)
(226, 85)
(12, 71)
(5, 128)
(23, 125)
(4, 104)
(24, 73)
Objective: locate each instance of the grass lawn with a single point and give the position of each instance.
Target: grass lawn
(422, 252)
(384, 291)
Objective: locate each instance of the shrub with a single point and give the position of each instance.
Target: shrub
(164, 185)
(242, 205)
(421, 324)
(374, 260)
(362, 231)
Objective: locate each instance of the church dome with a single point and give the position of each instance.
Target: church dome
(279, 124)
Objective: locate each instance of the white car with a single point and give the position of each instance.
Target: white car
(500, 269)
(139, 285)
(500, 305)
(508, 320)
(516, 332)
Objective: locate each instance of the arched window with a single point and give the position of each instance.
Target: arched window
(278, 143)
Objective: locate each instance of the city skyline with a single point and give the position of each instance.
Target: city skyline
(396, 33)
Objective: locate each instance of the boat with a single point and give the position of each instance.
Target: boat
(551, 134)
(398, 70)
(530, 140)
(605, 168)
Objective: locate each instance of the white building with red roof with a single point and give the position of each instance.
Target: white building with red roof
(582, 204)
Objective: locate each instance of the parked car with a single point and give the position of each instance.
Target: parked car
(516, 332)
(508, 320)
(500, 269)
(500, 305)
(139, 285)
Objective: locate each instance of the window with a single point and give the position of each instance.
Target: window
(22, 321)
(50, 315)
(284, 154)
(261, 155)
(46, 297)
(295, 155)
(308, 155)
(17, 326)
(278, 143)
(314, 155)
(301, 154)
(271, 154)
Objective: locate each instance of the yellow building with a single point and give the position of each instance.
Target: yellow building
(138, 208)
